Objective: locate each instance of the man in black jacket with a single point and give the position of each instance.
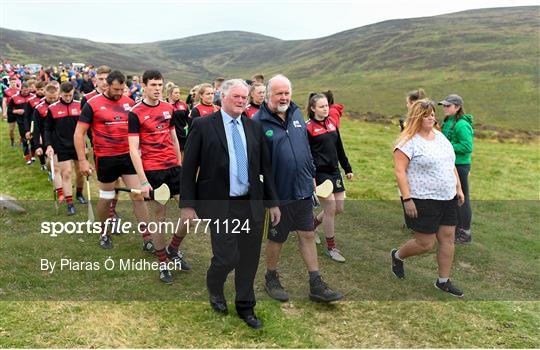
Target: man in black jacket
(226, 176)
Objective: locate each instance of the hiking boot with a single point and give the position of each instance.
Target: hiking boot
(448, 287)
(80, 198)
(70, 209)
(148, 246)
(397, 265)
(335, 255)
(177, 257)
(273, 287)
(164, 274)
(320, 292)
(105, 242)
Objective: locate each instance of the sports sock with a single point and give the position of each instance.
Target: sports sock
(330, 243)
(175, 242)
(313, 275)
(161, 255)
(442, 280)
(145, 234)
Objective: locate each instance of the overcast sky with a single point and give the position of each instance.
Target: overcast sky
(136, 21)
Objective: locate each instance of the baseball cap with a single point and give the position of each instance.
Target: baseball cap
(452, 100)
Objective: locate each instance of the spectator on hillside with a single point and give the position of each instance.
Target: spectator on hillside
(457, 128)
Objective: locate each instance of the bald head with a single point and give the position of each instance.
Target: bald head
(278, 93)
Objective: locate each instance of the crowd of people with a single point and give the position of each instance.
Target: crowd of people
(235, 150)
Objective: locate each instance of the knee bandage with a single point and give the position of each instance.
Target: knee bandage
(106, 194)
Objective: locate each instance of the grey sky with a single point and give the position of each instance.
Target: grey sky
(120, 21)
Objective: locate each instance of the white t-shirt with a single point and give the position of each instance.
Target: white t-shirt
(431, 167)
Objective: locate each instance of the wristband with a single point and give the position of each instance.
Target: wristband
(407, 199)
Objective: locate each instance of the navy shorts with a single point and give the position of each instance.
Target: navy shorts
(432, 214)
(295, 216)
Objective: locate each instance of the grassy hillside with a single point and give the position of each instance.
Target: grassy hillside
(488, 56)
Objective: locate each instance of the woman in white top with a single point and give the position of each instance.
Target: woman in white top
(431, 191)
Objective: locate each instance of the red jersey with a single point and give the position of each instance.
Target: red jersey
(9, 93)
(335, 112)
(60, 124)
(34, 101)
(251, 109)
(153, 125)
(180, 106)
(108, 120)
(202, 110)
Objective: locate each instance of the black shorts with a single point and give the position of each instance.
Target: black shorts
(295, 216)
(66, 154)
(336, 178)
(110, 168)
(11, 118)
(432, 214)
(170, 176)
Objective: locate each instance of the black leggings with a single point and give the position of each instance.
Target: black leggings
(465, 211)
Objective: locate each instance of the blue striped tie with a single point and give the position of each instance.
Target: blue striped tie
(241, 157)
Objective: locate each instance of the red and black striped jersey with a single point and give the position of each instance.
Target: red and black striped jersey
(326, 147)
(153, 125)
(202, 110)
(34, 101)
(335, 112)
(60, 124)
(88, 96)
(9, 93)
(251, 109)
(108, 120)
(38, 116)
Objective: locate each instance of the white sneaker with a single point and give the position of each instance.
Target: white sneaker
(335, 255)
(317, 238)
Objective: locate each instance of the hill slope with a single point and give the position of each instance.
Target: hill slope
(488, 56)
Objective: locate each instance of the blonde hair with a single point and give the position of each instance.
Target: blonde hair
(419, 110)
(200, 91)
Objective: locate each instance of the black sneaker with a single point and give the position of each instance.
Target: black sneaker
(148, 246)
(105, 242)
(178, 258)
(273, 287)
(70, 209)
(320, 292)
(462, 237)
(81, 199)
(164, 274)
(449, 288)
(397, 265)
(44, 168)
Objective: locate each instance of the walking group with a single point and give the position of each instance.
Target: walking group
(239, 151)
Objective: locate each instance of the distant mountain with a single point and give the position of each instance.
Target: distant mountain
(489, 56)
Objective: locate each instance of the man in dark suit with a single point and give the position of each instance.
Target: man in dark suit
(227, 178)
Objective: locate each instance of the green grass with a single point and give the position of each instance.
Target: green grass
(132, 309)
